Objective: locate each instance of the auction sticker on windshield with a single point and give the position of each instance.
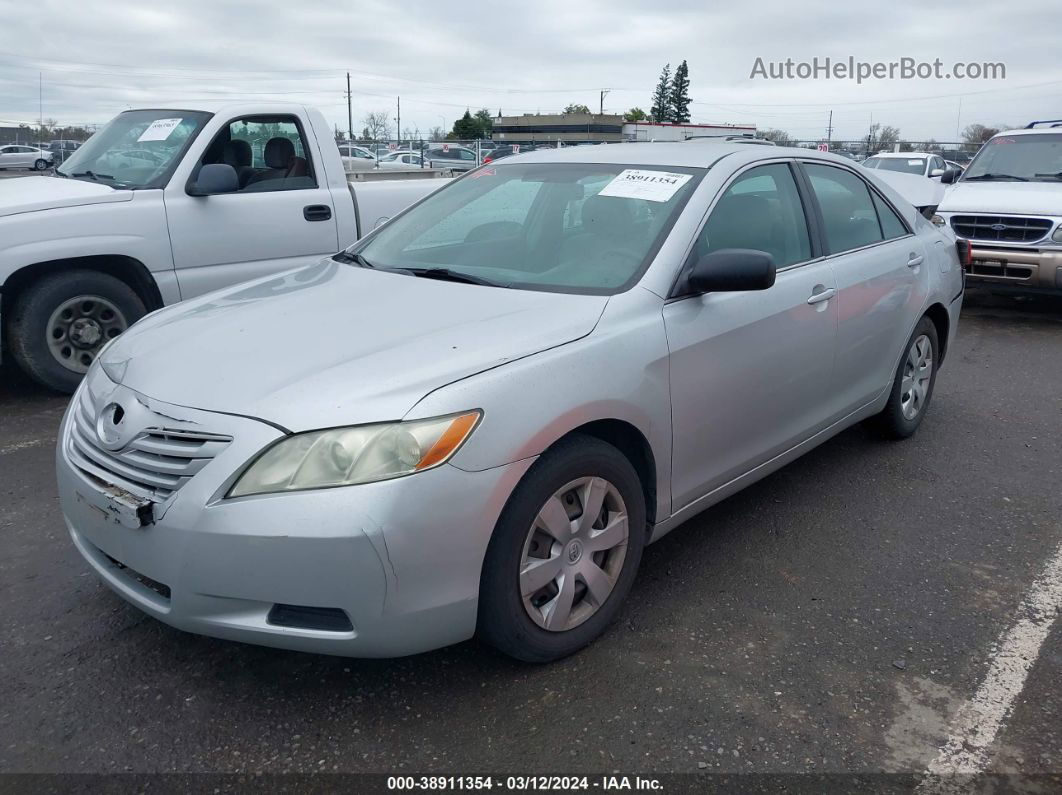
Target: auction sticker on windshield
(159, 130)
(654, 186)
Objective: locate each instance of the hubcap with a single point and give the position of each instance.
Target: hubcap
(573, 554)
(79, 327)
(917, 373)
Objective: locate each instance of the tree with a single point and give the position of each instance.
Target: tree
(882, 138)
(576, 108)
(436, 134)
(780, 137)
(680, 95)
(977, 134)
(377, 125)
(465, 128)
(660, 110)
(635, 114)
(484, 122)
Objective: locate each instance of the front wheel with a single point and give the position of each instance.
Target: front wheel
(61, 322)
(564, 553)
(40, 165)
(912, 386)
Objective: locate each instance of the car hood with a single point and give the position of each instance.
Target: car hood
(1010, 198)
(334, 344)
(29, 194)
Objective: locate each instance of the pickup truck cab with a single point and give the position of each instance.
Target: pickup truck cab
(162, 205)
(1008, 204)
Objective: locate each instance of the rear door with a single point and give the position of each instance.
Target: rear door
(881, 269)
(282, 216)
(751, 371)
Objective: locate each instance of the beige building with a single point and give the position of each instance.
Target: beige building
(602, 128)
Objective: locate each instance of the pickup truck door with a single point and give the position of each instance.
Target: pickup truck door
(283, 215)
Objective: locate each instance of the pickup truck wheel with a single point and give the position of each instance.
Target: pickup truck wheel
(60, 323)
(40, 165)
(564, 553)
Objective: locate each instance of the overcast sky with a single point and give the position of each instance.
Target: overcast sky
(98, 58)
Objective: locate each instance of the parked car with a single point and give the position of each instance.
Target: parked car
(924, 163)
(1008, 204)
(24, 156)
(356, 157)
(401, 159)
(62, 296)
(473, 420)
(63, 148)
(451, 156)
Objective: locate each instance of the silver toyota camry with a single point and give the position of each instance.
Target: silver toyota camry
(473, 421)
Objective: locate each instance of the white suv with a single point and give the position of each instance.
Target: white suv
(1008, 204)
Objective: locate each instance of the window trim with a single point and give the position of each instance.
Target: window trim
(263, 117)
(826, 253)
(679, 287)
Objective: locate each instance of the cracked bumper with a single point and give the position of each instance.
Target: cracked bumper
(400, 558)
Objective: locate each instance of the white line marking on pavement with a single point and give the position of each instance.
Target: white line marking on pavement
(980, 719)
(14, 448)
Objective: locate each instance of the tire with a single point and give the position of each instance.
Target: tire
(899, 419)
(101, 307)
(40, 165)
(505, 615)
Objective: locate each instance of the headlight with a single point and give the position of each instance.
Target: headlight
(358, 454)
(939, 220)
(1057, 236)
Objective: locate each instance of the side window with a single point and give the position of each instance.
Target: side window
(761, 210)
(891, 225)
(847, 210)
(268, 153)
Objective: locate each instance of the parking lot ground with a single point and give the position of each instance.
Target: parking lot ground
(836, 617)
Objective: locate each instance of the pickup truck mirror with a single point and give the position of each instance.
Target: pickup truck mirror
(215, 178)
(733, 270)
(950, 176)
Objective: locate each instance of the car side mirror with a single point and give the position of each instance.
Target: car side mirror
(215, 178)
(733, 270)
(950, 176)
(937, 172)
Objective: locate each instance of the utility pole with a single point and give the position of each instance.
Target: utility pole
(398, 127)
(958, 118)
(350, 114)
(829, 129)
(601, 107)
(40, 108)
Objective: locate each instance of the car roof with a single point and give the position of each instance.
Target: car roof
(906, 154)
(1030, 131)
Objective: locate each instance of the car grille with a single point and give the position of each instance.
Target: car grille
(1004, 229)
(154, 465)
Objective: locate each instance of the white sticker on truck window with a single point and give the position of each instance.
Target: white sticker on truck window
(159, 130)
(636, 183)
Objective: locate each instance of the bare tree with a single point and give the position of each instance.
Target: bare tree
(378, 125)
(780, 137)
(437, 134)
(977, 134)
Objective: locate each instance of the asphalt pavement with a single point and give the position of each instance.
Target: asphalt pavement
(835, 617)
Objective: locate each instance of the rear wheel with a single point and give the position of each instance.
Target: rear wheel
(912, 386)
(564, 553)
(60, 323)
(40, 165)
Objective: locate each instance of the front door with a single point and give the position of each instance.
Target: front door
(751, 371)
(282, 216)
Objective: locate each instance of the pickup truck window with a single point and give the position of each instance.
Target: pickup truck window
(559, 227)
(268, 153)
(1035, 157)
(137, 149)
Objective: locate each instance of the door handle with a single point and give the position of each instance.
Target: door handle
(317, 212)
(915, 260)
(825, 295)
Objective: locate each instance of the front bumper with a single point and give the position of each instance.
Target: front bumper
(1016, 268)
(401, 559)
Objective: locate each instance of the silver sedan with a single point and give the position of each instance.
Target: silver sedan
(474, 420)
(24, 156)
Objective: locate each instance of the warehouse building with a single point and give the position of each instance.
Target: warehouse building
(602, 128)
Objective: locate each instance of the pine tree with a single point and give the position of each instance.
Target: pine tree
(661, 107)
(680, 95)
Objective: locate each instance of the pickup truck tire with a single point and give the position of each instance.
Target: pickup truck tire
(912, 386)
(60, 322)
(551, 559)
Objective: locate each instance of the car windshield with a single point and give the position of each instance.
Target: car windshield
(1035, 157)
(137, 149)
(906, 165)
(563, 227)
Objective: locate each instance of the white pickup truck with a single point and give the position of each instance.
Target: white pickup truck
(165, 204)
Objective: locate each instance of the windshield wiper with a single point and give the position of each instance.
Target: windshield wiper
(447, 275)
(1056, 175)
(91, 175)
(353, 259)
(991, 177)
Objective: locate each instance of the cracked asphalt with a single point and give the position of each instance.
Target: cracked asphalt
(831, 618)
